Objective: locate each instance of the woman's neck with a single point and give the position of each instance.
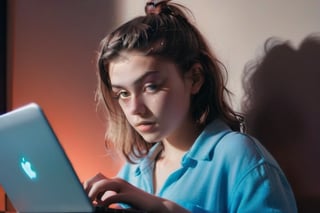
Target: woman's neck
(174, 148)
(180, 141)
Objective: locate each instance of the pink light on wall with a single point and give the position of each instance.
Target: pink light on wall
(52, 62)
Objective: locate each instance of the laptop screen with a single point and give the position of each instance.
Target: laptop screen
(35, 171)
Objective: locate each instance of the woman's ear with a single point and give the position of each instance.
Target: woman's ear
(197, 78)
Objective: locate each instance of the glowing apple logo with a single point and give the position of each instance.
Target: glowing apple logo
(27, 168)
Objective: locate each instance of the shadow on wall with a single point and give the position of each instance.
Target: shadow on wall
(282, 109)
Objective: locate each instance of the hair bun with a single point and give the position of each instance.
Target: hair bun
(155, 6)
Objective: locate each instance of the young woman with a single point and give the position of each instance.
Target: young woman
(166, 107)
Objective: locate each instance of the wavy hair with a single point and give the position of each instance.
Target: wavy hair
(172, 36)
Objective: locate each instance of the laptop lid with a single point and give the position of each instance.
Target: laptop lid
(35, 171)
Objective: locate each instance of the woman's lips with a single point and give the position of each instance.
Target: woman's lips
(145, 127)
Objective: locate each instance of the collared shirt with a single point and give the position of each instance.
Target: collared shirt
(224, 171)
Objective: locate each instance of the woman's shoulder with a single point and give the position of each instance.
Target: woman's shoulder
(237, 142)
(243, 148)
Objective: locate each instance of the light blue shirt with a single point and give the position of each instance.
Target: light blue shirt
(224, 171)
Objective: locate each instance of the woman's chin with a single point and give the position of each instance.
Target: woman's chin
(151, 138)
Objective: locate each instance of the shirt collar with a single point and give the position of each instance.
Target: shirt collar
(203, 147)
(146, 164)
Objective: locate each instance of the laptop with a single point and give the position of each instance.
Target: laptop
(35, 171)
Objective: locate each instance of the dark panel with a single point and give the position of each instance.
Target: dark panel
(3, 58)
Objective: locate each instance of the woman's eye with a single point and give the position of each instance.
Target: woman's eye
(151, 88)
(122, 95)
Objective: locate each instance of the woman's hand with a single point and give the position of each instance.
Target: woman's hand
(106, 191)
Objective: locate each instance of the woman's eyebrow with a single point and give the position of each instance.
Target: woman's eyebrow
(139, 79)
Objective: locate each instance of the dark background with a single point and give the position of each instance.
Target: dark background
(3, 49)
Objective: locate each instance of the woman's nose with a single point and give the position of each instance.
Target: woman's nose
(137, 105)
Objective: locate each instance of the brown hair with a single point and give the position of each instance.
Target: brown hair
(170, 35)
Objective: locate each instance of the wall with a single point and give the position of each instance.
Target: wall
(237, 30)
(52, 52)
(53, 49)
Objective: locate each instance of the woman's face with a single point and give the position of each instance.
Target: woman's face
(153, 95)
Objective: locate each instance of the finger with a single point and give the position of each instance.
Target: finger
(97, 189)
(88, 184)
(118, 198)
(101, 189)
(101, 197)
(114, 184)
(107, 194)
(135, 200)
